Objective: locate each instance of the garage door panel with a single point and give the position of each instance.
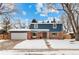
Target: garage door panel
(19, 36)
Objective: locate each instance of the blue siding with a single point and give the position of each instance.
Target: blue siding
(48, 26)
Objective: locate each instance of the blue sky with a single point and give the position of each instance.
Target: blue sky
(34, 11)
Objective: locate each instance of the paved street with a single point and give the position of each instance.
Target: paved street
(39, 52)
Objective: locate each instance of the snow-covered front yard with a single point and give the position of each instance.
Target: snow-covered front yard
(64, 44)
(39, 47)
(40, 44)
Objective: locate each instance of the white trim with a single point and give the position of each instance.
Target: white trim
(35, 26)
(19, 30)
(1, 28)
(29, 30)
(45, 30)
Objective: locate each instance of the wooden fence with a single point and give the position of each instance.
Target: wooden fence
(5, 36)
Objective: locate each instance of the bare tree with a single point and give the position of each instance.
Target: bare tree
(7, 10)
(6, 24)
(66, 23)
(19, 24)
(71, 10)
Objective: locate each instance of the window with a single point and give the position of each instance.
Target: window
(54, 34)
(35, 26)
(54, 25)
(34, 34)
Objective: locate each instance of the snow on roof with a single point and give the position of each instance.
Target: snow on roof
(40, 30)
(19, 30)
(69, 32)
(3, 41)
(1, 28)
(28, 30)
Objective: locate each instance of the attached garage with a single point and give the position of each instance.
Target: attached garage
(18, 34)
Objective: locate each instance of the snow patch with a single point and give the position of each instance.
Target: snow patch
(40, 44)
(31, 44)
(3, 41)
(11, 52)
(58, 52)
(64, 44)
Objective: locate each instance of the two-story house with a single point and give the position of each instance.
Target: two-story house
(47, 30)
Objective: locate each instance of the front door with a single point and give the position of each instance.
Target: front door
(44, 35)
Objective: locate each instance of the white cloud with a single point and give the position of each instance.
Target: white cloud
(44, 9)
(41, 9)
(53, 10)
(39, 6)
(23, 12)
(57, 18)
(30, 6)
(43, 15)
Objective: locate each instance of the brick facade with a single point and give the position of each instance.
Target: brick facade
(29, 35)
(49, 35)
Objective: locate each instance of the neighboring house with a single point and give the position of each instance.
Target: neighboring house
(47, 30)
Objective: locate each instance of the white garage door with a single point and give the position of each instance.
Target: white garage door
(19, 36)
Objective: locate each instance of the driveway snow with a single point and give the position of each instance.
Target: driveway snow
(31, 44)
(40, 44)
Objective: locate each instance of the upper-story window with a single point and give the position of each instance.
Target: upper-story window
(35, 26)
(54, 25)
